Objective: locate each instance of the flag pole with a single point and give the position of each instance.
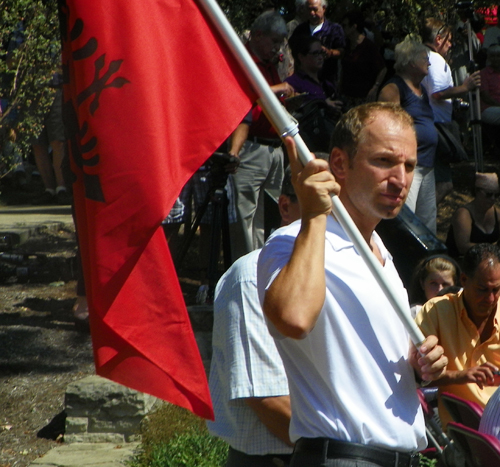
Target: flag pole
(286, 126)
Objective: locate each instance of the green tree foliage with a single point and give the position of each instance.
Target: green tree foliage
(30, 53)
(29, 37)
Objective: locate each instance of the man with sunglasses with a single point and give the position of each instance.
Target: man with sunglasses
(467, 326)
(440, 88)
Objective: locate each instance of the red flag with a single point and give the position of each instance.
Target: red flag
(151, 92)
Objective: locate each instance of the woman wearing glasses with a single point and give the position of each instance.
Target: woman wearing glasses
(477, 221)
(309, 58)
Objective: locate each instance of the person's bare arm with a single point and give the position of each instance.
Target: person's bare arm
(372, 93)
(390, 93)
(336, 53)
(283, 89)
(482, 375)
(470, 83)
(294, 300)
(238, 138)
(274, 413)
(462, 226)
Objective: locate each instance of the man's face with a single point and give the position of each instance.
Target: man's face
(482, 290)
(443, 44)
(315, 12)
(376, 181)
(267, 46)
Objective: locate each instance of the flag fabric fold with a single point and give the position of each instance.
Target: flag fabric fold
(151, 91)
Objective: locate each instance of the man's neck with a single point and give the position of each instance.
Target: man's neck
(316, 27)
(484, 325)
(430, 46)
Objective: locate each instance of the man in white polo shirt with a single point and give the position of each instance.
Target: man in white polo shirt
(350, 371)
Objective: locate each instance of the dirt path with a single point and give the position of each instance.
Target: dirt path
(40, 351)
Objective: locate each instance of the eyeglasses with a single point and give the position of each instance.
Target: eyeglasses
(316, 53)
(444, 29)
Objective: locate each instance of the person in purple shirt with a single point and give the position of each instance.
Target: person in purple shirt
(330, 34)
(309, 59)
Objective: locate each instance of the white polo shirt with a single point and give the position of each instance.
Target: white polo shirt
(349, 378)
(439, 79)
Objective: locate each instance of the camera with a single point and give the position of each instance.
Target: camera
(460, 105)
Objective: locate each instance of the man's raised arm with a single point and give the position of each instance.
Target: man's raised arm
(295, 298)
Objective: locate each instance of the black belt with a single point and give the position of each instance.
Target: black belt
(274, 142)
(336, 449)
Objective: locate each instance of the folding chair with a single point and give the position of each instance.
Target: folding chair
(481, 450)
(463, 411)
(435, 435)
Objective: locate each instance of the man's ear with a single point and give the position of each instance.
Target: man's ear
(284, 207)
(339, 163)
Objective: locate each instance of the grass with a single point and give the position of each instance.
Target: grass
(173, 437)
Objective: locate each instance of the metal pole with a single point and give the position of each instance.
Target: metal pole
(286, 126)
(475, 108)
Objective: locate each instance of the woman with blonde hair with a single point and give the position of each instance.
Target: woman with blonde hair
(431, 276)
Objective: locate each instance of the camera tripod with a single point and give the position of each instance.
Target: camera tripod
(466, 8)
(216, 194)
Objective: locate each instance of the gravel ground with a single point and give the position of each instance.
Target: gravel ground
(40, 352)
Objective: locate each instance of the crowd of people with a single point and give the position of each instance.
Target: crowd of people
(310, 365)
(342, 62)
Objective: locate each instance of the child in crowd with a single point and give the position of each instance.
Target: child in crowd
(432, 275)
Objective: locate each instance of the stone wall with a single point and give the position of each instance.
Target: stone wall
(102, 411)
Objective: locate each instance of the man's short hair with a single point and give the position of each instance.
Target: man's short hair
(432, 28)
(476, 254)
(269, 22)
(346, 134)
(407, 52)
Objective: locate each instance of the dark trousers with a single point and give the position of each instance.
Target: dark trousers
(326, 452)
(320, 460)
(240, 459)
